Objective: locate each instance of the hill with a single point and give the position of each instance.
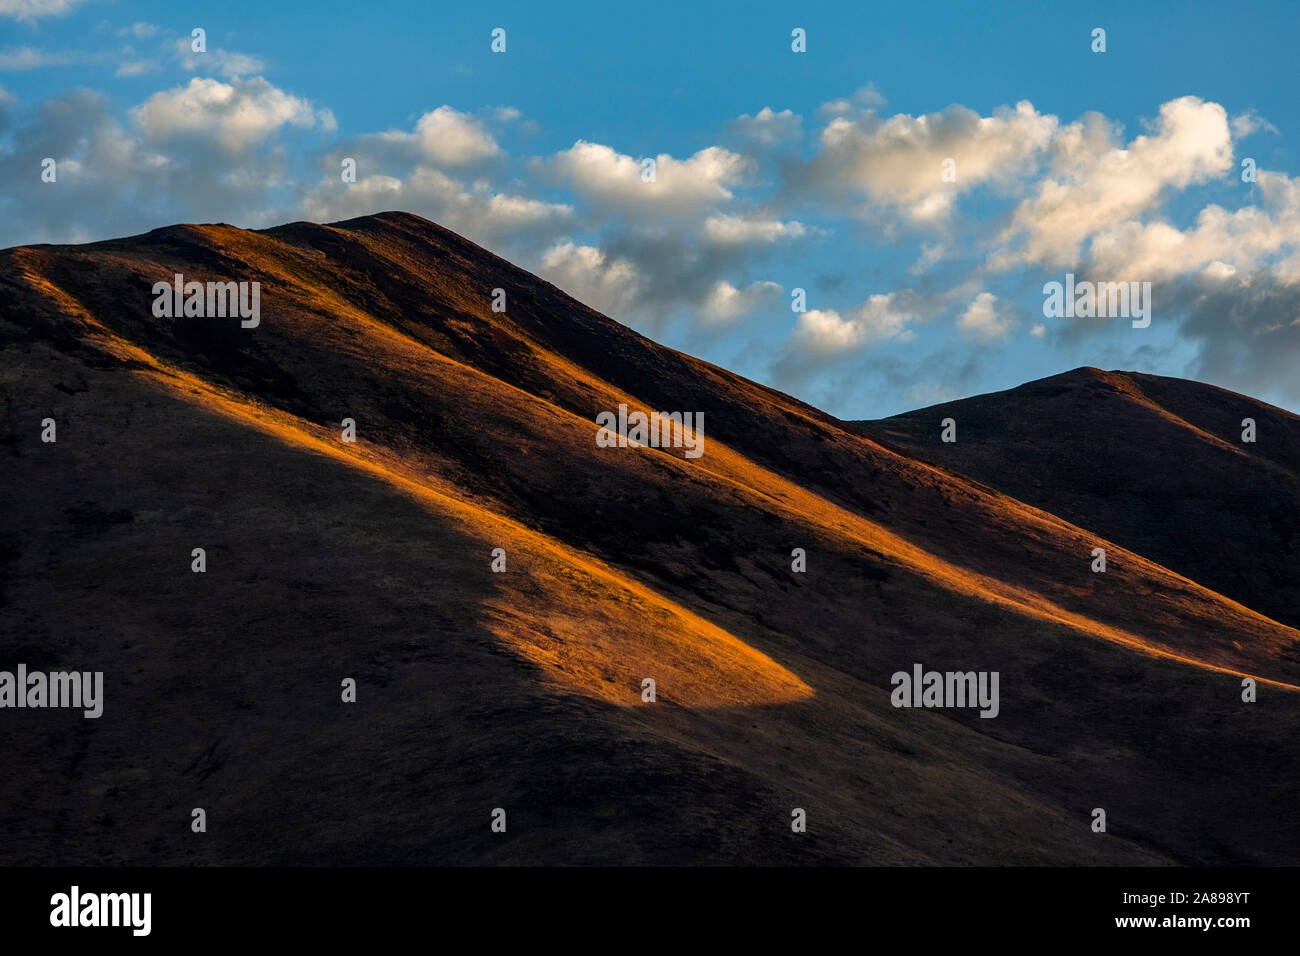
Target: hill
(1156, 464)
(522, 690)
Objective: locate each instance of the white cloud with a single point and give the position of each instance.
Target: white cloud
(441, 137)
(1244, 239)
(109, 173)
(30, 10)
(899, 162)
(878, 319)
(612, 181)
(768, 128)
(1250, 122)
(739, 230)
(983, 321)
(1097, 183)
(450, 137)
(725, 302)
(237, 115)
(606, 284)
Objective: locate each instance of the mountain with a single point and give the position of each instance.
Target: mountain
(522, 690)
(1156, 464)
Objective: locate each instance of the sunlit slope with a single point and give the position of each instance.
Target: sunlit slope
(477, 428)
(1157, 464)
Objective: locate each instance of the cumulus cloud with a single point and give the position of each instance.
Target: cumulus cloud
(213, 150)
(725, 303)
(874, 337)
(441, 138)
(433, 170)
(821, 333)
(203, 152)
(898, 162)
(985, 319)
(612, 183)
(768, 128)
(825, 338)
(609, 285)
(237, 115)
(679, 246)
(1245, 238)
(1097, 183)
(106, 173)
(453, 138)
(690, 238)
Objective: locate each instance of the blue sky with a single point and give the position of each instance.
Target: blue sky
(775, 170)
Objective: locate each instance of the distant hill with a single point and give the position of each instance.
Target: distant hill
(522, 690)
(1156, 464)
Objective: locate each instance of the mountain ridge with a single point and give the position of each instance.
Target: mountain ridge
(1136, 498)
(620, 563)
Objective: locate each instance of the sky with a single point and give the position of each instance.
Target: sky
(867, 223)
